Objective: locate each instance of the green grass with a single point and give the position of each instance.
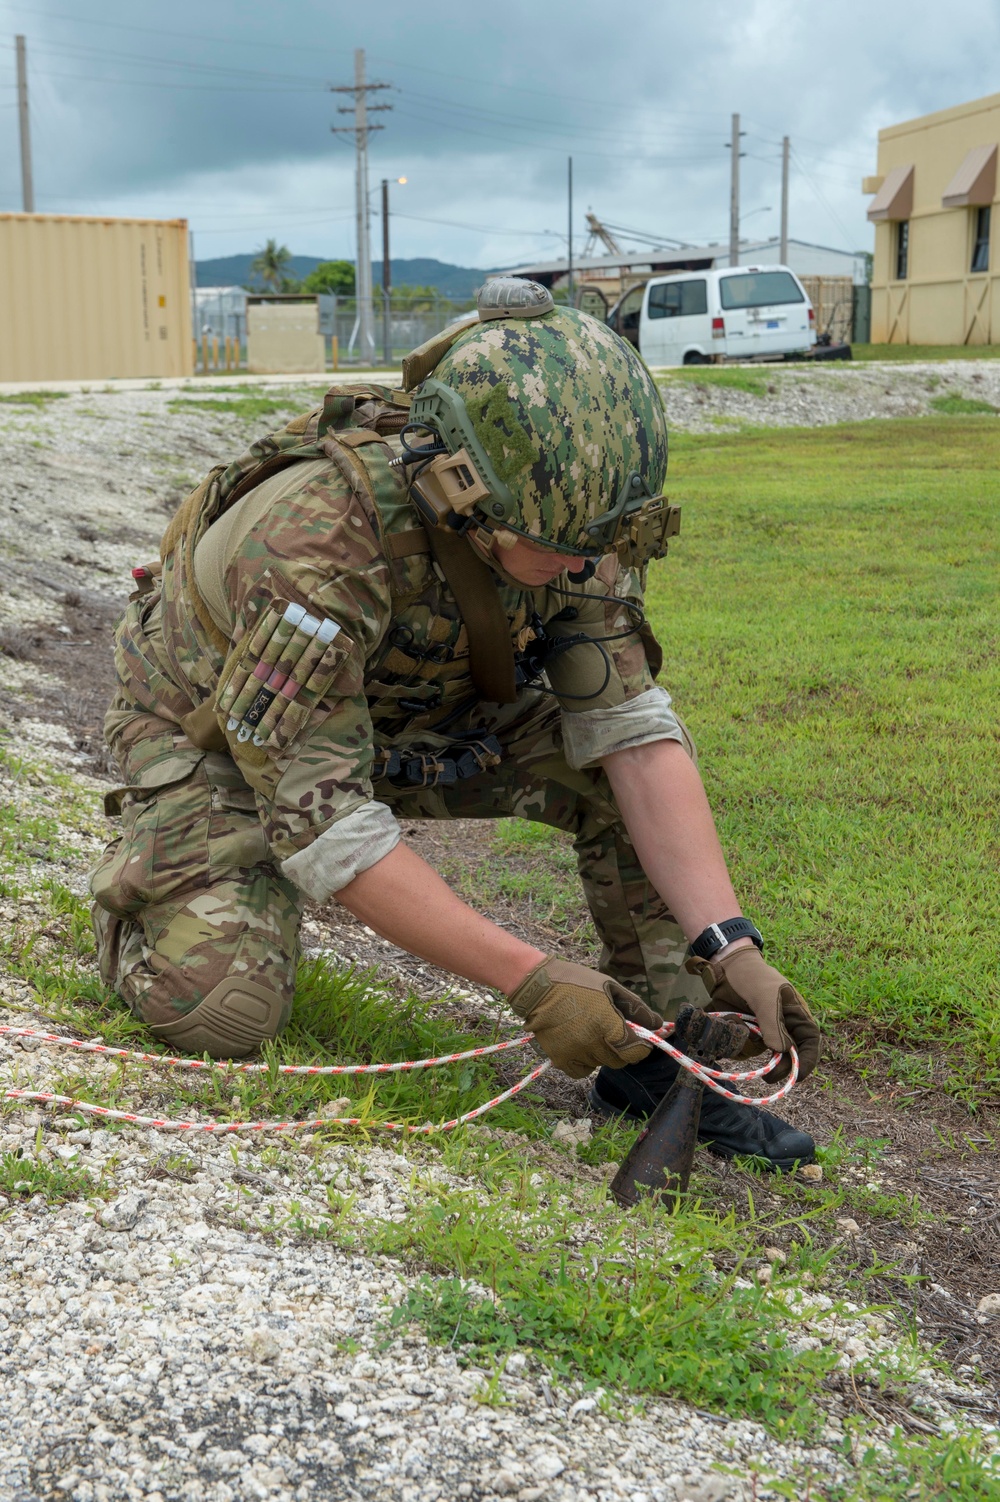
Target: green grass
(22, 1177)
(830, 622)
(530, 864)
(916, 352)
(31, 398)
(246, 408)
(715, 375)
(953, 405)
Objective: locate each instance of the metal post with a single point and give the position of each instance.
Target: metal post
(569, 235)
(27, 186)
(734, 196)
(363, 283)
(783, 251)
(193, 278)
(386, 277)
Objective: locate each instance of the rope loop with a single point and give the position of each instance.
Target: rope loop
(711, 1077)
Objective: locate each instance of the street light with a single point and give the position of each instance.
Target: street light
(386, 273)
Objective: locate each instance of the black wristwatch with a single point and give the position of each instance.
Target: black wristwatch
(717, 935)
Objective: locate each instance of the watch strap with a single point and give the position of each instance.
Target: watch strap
(717, 935)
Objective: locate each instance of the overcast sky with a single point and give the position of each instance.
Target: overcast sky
(219, 111)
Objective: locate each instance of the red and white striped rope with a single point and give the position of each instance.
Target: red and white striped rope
(708, 1076)
(220, 1128)
(229, 1066)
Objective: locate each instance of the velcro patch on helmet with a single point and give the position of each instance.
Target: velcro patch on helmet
(496, 421)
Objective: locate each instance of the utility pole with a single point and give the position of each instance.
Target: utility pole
(783, 251)
(361, 131)
(734, 194)
(569, 235)
(27, 186)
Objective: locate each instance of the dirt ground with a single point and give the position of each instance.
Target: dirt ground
(56, 671)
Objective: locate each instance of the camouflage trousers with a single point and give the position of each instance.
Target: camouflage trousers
(190, 912)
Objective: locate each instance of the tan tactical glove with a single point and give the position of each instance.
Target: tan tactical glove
(743, 981)
(578, 1017)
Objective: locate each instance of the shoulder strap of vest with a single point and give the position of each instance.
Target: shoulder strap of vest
(491, 652)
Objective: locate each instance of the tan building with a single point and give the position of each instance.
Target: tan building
(87, 298)
(935, 267)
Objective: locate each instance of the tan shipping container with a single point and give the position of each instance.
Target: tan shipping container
(90, 299)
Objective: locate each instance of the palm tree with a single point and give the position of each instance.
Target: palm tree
(269, 264)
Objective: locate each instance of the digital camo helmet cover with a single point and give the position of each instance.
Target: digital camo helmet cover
(561, 418)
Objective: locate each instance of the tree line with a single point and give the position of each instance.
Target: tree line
(269, 272)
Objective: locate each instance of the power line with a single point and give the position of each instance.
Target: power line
(428, 119)
(822, 198)
(152, 83)
(482, 229)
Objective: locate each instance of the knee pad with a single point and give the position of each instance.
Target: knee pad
(235, 1018)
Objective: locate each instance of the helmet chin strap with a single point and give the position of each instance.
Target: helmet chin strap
(488, 541)
(481, 539)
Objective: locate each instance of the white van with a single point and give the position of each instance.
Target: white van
(743, 313)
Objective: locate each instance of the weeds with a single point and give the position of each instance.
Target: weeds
(245, 407)
(953, 405)
(31, 398)
(632, 1301)
(23, 1177)
(726, 378)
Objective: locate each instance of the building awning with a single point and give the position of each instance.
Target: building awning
(894, 200)
(975, 182)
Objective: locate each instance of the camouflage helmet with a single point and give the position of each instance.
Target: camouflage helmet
(559, 417)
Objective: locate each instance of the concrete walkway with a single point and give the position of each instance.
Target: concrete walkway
(348, 376)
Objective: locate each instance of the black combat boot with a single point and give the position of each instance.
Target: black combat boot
(730, 1130)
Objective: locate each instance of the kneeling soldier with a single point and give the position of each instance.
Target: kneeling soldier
(427, 604)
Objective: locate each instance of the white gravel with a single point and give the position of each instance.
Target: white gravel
(148, 1348)
(813, 396)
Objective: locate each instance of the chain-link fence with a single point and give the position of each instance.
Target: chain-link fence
(397, 325)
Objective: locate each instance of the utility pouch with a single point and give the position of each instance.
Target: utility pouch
(414, 767)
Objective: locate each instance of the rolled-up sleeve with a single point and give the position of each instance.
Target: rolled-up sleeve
(360, 840)
(589, 737)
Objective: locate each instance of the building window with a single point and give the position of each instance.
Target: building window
(902, 249)
(981, 242)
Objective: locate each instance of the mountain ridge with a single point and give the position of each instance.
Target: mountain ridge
(458, 282)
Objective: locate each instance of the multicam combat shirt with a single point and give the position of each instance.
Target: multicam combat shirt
(389, 669)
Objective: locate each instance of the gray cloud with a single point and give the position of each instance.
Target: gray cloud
(221, 113)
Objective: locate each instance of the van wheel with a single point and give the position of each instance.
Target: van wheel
(694, 358)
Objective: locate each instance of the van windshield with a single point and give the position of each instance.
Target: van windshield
(759, 289)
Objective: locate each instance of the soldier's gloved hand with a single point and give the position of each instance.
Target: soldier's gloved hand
(743, 981)
(578, 1017)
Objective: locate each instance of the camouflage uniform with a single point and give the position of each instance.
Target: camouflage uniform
(198, 902)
